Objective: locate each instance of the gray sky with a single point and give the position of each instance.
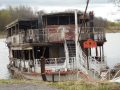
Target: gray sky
(49, 2)
(101, 8)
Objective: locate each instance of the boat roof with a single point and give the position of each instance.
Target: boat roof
(18, 20)
(62, 13)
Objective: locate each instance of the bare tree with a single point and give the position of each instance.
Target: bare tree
(100, 22)
(11, 13)
(117, 2)
(21, 12)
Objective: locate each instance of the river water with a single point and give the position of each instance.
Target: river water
(111, 50)
(4, 74)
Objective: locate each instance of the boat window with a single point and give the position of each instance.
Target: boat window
(13, 30)
(33, 24)
(52, 20)
(9, 32)
(72, 19)
(63, 20)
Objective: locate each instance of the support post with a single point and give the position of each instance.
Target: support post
(59, 75)
(23, 54)
(43, 69)
(76, 40)
(96, 52)
(29, 61)
(103, 58)
(88, 58)
(100, 53)
(33, 58)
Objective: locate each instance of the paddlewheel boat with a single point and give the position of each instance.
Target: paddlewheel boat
(60, 43)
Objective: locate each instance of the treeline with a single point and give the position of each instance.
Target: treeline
(11, 13)
(100, 22)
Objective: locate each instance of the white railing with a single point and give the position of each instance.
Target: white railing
(97, 65)
(72, 63)
(66, 54)
(51, 61)
(57, 34)
(82, 56)
(97, 33)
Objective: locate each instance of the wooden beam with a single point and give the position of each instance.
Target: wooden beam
(43, 68)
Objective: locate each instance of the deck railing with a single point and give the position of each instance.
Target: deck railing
(97, 34)
(56, 35)
(52, 61)
(96, 64)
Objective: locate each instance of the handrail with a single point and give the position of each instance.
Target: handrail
(96, 65)
(45, 35)
(55, 60)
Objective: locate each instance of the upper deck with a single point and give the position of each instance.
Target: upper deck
(51, 28)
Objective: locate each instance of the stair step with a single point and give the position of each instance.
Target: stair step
(71, 48)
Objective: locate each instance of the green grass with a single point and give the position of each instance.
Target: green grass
(69, 85)
(82, 85)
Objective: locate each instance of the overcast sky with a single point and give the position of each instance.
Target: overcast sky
(49, 2)
(101, 8)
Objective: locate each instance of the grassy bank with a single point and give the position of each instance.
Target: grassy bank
(69, 85)
(82, 85)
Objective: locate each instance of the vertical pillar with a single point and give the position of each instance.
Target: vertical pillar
(33, 58)
(24, 57)
(100, 52)
(43, 68)
(89, 51)
(29, 60)
(76, 40)
(87, 58)
(14, 58)
(103, 54)
(15, 30)
(18, 32)
(91, 24)
(20, 58)
(96, 51)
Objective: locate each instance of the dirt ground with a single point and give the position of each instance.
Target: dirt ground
(25, 86)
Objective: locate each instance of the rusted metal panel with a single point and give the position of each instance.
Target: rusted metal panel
(58, 33)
